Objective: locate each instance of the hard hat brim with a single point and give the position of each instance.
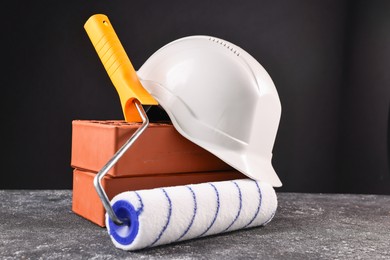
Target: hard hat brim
(230, 150)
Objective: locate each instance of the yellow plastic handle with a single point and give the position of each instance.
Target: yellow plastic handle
(118, 66)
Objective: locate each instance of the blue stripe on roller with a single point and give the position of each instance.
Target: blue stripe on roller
(239, 208)
(168, 219)
(193, 215)
(216, 213)
(269, 219)
(258, 206)
(139, 211)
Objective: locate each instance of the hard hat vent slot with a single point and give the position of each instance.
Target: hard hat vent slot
(224, 44)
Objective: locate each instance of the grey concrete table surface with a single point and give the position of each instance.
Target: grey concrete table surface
(40, 224)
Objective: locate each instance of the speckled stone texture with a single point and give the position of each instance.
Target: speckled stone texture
(41, 225)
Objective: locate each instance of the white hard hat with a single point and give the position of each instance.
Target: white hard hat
(220, 98)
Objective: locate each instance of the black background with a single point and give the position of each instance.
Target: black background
(329, 60)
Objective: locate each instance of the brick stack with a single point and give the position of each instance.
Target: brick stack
(160, 157)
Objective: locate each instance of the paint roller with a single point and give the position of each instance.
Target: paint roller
(147, 218)
(166, 215)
